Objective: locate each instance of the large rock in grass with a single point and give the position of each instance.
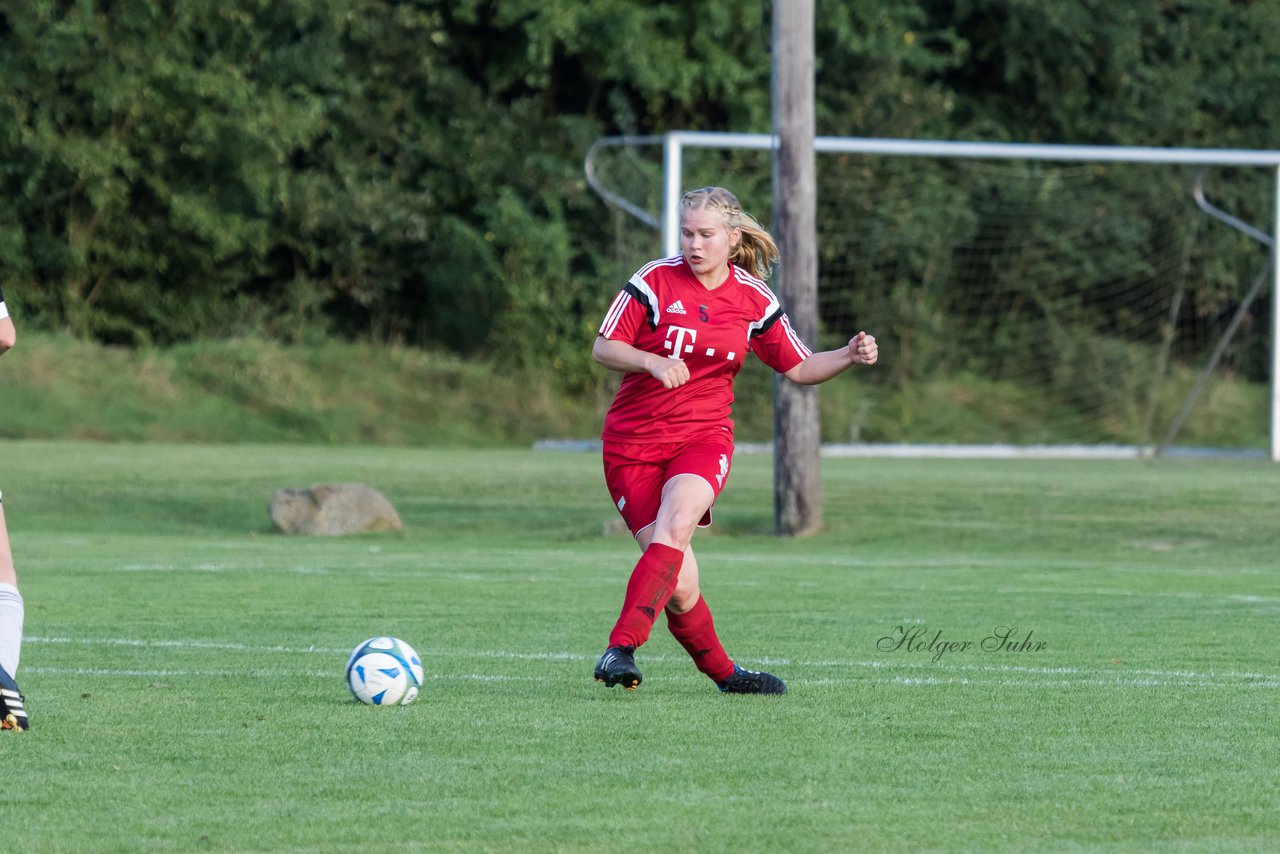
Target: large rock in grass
(333, 509)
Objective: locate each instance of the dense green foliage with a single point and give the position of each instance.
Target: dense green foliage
(412, 171)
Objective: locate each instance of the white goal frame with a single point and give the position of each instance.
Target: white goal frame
(675, 142)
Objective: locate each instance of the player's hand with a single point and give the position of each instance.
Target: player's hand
(672, 373)
(863, 349)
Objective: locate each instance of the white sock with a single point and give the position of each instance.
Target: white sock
(11, 614)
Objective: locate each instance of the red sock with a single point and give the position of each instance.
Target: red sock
(696, 632)
(651, 585)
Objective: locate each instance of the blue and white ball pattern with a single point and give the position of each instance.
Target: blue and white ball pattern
(385, 671)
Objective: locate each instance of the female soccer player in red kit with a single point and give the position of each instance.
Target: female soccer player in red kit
(680, 330)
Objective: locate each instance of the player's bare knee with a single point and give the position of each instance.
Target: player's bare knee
(676, 530)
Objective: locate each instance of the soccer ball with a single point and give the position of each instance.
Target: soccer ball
(384, 671)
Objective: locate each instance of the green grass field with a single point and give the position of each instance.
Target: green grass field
(183, 664)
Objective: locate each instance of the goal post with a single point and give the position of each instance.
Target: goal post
(1275, 325)
(661, 184)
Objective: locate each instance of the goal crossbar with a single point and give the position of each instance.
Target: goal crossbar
(674, 143)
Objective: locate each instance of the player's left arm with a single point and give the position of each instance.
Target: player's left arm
(820, 367)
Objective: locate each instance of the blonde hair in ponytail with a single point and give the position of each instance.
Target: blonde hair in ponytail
(756, 252)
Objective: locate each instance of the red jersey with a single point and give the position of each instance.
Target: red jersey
(664, 309)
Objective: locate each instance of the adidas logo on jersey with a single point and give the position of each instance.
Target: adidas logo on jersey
(676, 307)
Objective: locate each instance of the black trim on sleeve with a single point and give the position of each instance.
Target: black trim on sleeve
(1, 294)
(768, 322)
(650, 309)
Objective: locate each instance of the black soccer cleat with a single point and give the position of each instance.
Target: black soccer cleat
(617, 667)
(745, 681)
(13, 711)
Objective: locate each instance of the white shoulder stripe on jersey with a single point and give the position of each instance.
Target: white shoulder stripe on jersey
(673, 261)
(615, 313)
(764, 292)
(748, 279)
(772, 312)
(771, 309)
(640, 290)
(636, 289)
(803, 350)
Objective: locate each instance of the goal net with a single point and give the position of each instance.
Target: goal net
(1023, 302)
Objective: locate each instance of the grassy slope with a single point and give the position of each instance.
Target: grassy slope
(252, 391)
(184, 665)
(255, 391)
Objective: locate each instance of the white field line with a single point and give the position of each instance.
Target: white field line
(455, 569)
(262, 674)
(1118, 681)
(1141, 594)
(941, 673)
(507, 576)
(163, 643)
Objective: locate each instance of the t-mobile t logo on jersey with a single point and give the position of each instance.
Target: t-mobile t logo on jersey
(680, 341)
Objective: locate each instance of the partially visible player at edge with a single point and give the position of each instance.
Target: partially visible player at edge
(13, 712)
(680, 330)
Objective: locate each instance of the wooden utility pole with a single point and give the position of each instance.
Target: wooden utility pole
(797, 486)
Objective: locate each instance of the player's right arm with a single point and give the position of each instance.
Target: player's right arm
(621, 356)
(8, 335)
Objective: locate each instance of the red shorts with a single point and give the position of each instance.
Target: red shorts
(635, 474)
